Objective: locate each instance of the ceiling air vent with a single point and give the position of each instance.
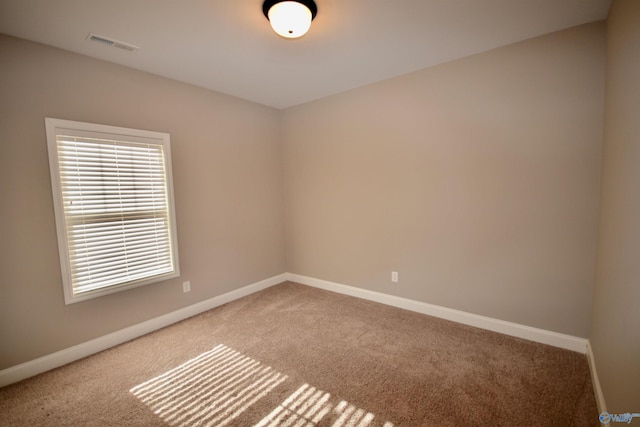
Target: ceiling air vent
(111, 42)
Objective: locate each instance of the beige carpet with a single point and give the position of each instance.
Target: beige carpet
(299, 356)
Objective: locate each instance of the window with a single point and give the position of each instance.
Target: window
(113, 200)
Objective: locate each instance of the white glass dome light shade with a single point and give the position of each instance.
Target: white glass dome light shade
(290, 19)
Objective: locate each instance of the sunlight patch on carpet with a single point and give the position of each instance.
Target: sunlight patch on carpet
(209, 390)
(307, 406)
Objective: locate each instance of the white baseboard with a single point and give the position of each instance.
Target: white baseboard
(71, 354)
(555, 339)
(597, 388)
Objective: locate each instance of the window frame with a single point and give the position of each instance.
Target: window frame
(54, 127)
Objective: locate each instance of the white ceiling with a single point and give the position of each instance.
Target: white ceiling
(228, 45)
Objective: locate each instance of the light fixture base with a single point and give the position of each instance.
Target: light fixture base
(268, 4)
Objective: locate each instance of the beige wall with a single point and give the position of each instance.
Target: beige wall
(615, 330)
(476, 180)
(228, 188)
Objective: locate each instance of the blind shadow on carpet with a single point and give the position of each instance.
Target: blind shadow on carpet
(214, 388)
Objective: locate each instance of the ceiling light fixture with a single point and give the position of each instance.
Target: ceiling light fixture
(290, 19)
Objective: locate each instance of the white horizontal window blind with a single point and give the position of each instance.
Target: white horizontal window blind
(114, 207)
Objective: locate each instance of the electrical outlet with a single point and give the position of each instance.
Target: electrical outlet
(394, 276)
(186, 286)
